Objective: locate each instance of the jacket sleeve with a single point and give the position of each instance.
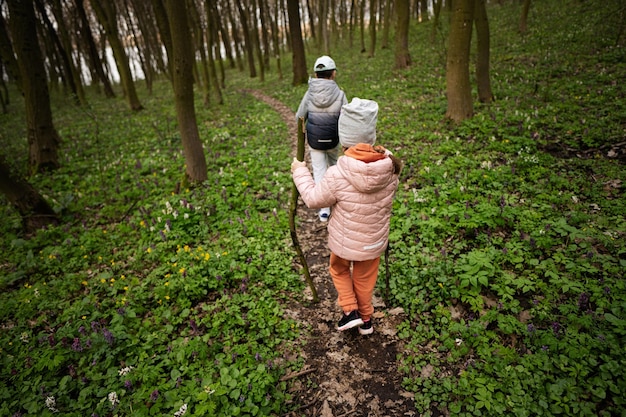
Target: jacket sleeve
(303, 108)
(314, 195)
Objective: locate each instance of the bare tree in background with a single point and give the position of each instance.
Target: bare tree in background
(182, 60)
(107, 15)
(402, 54)
(300, 74)
(43, 139)
(458, 87)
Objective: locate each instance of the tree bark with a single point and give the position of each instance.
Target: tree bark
(181, 65)
(483, 81)
(7, 55)
(66, 62)
(32, 207)
(43, 139)
(300, 74)
(92, 50)
(107, 15)
(458, 87)
(372, 28)
(403, 56)
(523, 22)
(247, 38)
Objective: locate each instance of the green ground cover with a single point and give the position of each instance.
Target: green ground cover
(507, 249)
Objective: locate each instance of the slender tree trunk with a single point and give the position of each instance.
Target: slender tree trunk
(362, 23)
(43, 139)
(300, 74)
(523, 22)
(212, 37)
(403, 56)
(243, 17)
(32, 207)
(372, 28)
(458, 87)
(60, 40)
(387, 24)
(92, 51)
(6, 54)
(107, 15)
(160, 16)
(256, 41)
(485, 95)
(436, 20)
(181, 65)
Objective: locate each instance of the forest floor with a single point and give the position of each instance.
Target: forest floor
(344, 373)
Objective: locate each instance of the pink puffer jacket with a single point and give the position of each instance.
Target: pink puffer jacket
(361, 195)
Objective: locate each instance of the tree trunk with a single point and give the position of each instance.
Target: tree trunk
(523, 22)
(436, 20)
(372, 28)
(71, 74)
(387, 24)
(92, 51)
(256, 41)
(213, 49)
(300, 74)
(485, 95)
(458, 87)
(403, 56)
(43, 139)
(107, 15)
(7, 55)
(164, 30)
(247, 38)
(182, 61)
(32, 207)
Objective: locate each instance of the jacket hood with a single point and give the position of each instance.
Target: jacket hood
(367, 177)
(324, 92)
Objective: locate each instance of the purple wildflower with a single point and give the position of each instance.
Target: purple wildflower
(531, 328)
(76, 345)
(193, 325)
(154, 395)
(81, 330)
(128, 384)
(108, 336)
(257, 356)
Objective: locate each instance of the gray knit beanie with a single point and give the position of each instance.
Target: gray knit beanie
(357, 122)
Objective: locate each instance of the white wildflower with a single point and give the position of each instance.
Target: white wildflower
(485, 164)
(36, 293)
(51, 403)
(575, 199)
(427, 169)
(181, 411)
(458, 341)
(208, 390)
(439, 162)
(113, 398)
(24, 337)
(175, 214)
(432, 211)
(125, 371)
(168, 207)
(186, 215)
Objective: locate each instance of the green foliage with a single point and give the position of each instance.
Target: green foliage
(506, 246)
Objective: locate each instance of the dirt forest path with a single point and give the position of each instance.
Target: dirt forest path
(344, 373)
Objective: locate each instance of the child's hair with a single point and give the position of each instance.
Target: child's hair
(324, 74)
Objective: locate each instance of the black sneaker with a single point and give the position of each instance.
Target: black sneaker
(349, 321)
(366, 328)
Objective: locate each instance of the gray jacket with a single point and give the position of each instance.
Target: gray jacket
(320, 107)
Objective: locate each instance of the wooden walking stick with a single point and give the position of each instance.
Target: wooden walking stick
(292, 214)
(387, 275)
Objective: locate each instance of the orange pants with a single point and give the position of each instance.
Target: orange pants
(354, 282)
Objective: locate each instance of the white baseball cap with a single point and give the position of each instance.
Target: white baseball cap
(324, 63)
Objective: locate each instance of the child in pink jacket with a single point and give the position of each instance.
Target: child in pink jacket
(360, 188)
